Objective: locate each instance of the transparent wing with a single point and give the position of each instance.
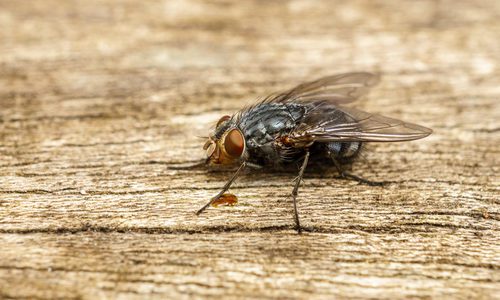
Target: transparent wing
(329, 123)
(336, 89)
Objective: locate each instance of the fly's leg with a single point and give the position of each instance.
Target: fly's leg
(345, 174)
(255, 166)
(192, 166)
(224, 188)
(296, 191)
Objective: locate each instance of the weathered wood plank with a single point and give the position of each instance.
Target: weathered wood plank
(100, 100)
(355, 264)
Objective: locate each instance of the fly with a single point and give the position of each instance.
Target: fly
(308, 123)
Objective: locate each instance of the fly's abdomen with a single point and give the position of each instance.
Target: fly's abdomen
(344, 151)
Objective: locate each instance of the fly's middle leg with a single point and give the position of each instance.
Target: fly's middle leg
(295, 192)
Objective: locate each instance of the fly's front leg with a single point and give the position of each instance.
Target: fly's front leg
(345, 174)
(192, 166)
(296, 191)
(224, 188)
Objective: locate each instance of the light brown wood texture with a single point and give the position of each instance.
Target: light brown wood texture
(99, 100)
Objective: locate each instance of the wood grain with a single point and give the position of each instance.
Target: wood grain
(100, 101)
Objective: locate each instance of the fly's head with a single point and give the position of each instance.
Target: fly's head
(227, 144)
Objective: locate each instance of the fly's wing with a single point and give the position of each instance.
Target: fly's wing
(336, 89)
(330, 123)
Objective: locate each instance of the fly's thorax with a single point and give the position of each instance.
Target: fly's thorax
(263, 125)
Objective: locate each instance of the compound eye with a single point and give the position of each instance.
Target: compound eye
(222, 120)
(234, 143)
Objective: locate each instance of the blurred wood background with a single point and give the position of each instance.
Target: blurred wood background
(100, 99)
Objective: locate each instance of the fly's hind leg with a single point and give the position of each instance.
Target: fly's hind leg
(344, 174)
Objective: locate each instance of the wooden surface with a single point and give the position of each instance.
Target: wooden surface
(100, 99)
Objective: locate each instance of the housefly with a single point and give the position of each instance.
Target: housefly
(308, 123)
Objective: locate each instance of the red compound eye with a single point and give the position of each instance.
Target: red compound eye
(222, 120)
(234, 143)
